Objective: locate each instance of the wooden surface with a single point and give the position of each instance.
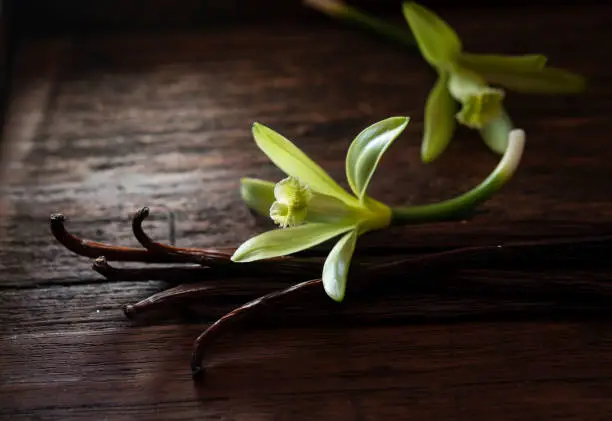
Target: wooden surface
(64, 16)
(101, 125)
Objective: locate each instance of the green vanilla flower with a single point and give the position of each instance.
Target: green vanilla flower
(463, 93)
(311, 208)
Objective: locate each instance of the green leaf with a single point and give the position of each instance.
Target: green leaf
(549, 80)
(368, 148)
(336, 267)
(284, 241)
(437, 41)
(495, 134)
(499, 63)
(290, 159)
(440, 120)
(257, 194)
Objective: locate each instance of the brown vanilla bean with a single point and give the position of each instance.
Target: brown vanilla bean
(441, 260)
(168, 274)
(528, 252)
(216, 256)
(185, 276)
(215, 264)
(206, 257)
(93, 249)
(284, 265)
(241, 313)
(155, 252)
(561, 251)
(167, 297)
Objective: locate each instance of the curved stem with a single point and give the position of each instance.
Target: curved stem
(458, 206)
(340, 10)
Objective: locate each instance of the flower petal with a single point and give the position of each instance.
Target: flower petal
(330, 210)
(257, 194)
(437, 41)
(549, 80)
(368, 148)
(294, 162)
(284, 241)
(495, 133)
(336, 267)
(440, 120)
(481, 63)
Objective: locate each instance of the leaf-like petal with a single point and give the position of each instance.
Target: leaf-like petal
(284, 241)
(367, 149)
(336, 267)
(440, 120)
(257, 194)
(481, 63)
(437, 41)
(550, 80)
(289, 158)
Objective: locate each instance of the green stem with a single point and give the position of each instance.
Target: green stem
(379, 27)
(458, 206)
(338, 9)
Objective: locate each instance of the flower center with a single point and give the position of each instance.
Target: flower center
(291, 205)
(480, 102)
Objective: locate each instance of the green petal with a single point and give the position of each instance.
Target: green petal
(336, 267)
(440, 120)
(437, 41)
(495, 63)
(330, 210)
(368, 148)
(294, 162)
(257, 194)
(549, 80)
(495, 134)
(284, 241)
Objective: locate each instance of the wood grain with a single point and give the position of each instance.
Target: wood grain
(454, 371)
(100, 125)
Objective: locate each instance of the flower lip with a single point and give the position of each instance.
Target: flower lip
(481, 108)
(480, 102)
(291, 205)
(292, 192)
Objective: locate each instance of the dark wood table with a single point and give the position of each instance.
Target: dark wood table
(101, 125)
